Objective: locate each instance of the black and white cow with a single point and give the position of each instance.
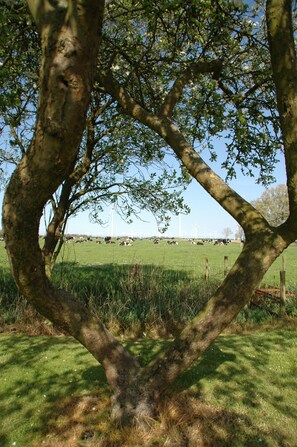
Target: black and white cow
(172, 242)
(222, 242)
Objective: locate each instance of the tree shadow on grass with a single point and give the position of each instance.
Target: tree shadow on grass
(201, 424)
(186, 418)
(255, 384)
(53, 392)
(61, 390)
(3, 440)
(36, 373)
(241, 392)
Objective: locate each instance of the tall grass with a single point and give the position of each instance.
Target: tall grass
(10, 299)
(140, 288)
(136, 296)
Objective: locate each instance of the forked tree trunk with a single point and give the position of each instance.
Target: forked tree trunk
(53, 240)
(155, 379)
(69, 55)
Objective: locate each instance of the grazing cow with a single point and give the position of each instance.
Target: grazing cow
(172, 242)
(80, 240)
(126, 243)
(156, 241)
(69, 237)
(196, 243)
(222, 242)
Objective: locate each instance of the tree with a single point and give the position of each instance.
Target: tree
(134, 174)
(212, 78)
(274, 205)
(227, 232)
(239, 234)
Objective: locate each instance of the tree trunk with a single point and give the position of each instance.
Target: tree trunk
(53, 243)
(69, 40)
(234, 293)
(53, 240)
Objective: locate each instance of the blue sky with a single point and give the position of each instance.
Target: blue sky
(206, 219)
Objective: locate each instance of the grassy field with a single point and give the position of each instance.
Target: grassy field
(142, 286)
(184, 257)
(241, 393)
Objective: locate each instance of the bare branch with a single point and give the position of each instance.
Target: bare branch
(18, 140)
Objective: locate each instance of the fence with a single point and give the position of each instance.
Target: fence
(263, 295)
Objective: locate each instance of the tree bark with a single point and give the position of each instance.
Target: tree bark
(70, 37)
(53, 240)
(284, 69)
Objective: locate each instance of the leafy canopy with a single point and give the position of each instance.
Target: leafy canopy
(212, 53)
(274, 205)
(119, 163)
(153, 46)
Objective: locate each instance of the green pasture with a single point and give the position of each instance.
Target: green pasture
(184, 257)
(145, 285)
(248, 383)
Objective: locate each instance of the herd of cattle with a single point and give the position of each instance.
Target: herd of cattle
(127, 242)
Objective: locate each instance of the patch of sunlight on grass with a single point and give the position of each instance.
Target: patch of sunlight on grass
(254, 375)
(242, 392)
(36, 372)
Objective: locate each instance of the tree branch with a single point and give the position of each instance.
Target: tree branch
(241, 210)
(284, 68)
(239, 99)
(18, 140)
(191, 72)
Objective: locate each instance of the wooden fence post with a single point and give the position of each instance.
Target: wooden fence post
(283, 263)
(206, 269)
(225, 265)
(282, 293)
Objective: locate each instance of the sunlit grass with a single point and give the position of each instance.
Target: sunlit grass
(184, 257)
(145, 285)
(241, 393)
(37, 372)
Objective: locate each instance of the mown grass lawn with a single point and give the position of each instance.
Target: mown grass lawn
(244, 386)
